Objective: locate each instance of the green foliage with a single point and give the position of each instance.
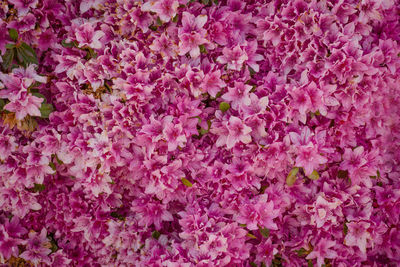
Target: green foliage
(224, 106)
(186, 182)
(291, 178)
(13, 34)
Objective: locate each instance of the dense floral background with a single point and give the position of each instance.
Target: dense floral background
(200, 133)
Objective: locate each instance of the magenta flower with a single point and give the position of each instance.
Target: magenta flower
(309, 158)
(212, 82)
(261, 213)
(239, 95)
(234, 58)
(23, 6)
(358, 235)
(237, 132)
(25, 105)
(165, 9)
(190, 43)
(87, 36)
(174, 135)
(37, 248)
(322, 250)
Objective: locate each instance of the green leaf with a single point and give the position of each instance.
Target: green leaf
(2, 104)
(264, 232)
(13, 34)
(224, 106)
(310, 264)
(116, 215)
(252, 71)
(10, 46)
(40, 96)
(251, 236)
(175, 19)
(39, 188)
(52, 165)
(8, 58)
(68, 45)
(186, 182)
(26, 54)
(302, 252)
(45, 110)
(156, 234)
(345, 229)
(242, 225)
(159, 22)
(314, 175)
(291, 178)
(203, 49)
(252, 264)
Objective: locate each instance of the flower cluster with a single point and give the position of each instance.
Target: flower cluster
(200, 133)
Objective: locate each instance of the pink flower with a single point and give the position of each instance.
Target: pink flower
(164, 46)
(23, 6)
(7, 146)
(190, 43)
(165, 9)
(322, 250)
(8, 244)
(239, 95)
(359, 164)
(86, 36)
(324, 211)
(192, 24)
(25, 105)
(151, 212)
(37, 248)
(174, 135)
(88, 4)
(237, 132)
(259, 213)
(233, 57)
(253, 58)
(358, 235)
(212, 82)
(309, 158)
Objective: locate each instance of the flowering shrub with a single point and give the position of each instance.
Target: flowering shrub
(200, 133)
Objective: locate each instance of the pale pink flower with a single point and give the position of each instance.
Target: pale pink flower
(358, 235)
(322, 250)
(26, 105)
(234, 57)
(239, 95)
(87, 36)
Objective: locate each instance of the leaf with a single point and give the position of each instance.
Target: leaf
(186, 182)
(39, 188)
(8, 58)
(224, 106)
(10, 46)
(175, 19)
(45, 110)
(27, 54)
(52, 165)
(40, 96)
(68, 45)
(2, 104)
(203, 49)
(314, 175)
(251, 236)
(291, 178)
(264, 232)
(13, 34)
(156, 234)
